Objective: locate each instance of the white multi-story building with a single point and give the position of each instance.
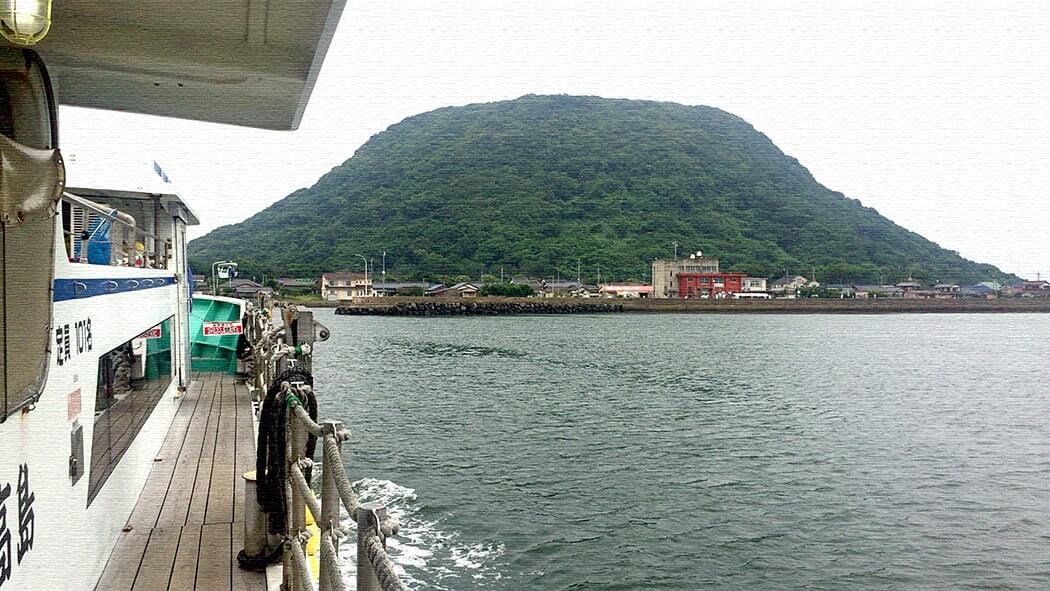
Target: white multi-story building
(752, 288)
(754, 285)
(337, 287)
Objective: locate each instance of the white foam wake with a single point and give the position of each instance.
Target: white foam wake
(425, 555)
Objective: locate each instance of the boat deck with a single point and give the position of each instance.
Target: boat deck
(188, 524)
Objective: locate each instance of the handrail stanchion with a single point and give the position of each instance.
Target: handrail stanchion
(297, 515)
(368, 520)
(289, 582)
(329, 518)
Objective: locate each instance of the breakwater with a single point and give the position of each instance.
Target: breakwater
(483, 307)
(478, 308)
(419, 306)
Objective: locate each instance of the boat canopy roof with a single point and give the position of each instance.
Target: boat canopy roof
(136, 180)
(241, 62)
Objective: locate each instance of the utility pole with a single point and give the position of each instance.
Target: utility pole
(578, 275)
(501, 273)
(362, 257)
(384, 266)
(599, 275)
(675, 249)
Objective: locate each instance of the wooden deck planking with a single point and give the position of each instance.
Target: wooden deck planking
(185, 474)
(214, 567)
(245, 456)
(184, 571)
(188, 523)
(155, 570)
(147, 510)
(221, 492)
(244, 580)
(198, 501)
(123, 564)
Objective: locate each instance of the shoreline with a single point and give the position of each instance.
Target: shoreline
(385, 306)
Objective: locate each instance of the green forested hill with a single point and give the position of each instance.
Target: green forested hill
(536, 183)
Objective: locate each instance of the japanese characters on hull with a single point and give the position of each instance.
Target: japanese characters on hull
(25, 524)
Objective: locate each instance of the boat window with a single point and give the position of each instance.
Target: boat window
(30, 183)
(132, 379)
(114, 231)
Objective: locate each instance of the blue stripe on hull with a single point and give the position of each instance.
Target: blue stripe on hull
(78, 289)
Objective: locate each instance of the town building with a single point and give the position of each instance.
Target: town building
(242, 288)
(587, 291)
(345, 286)
(877, 291)
(753, 288)
(1037, 288)
(459, 290)
(788, 286)
(754, 284)
(947, 290)
(297, 284)
(625, 290)
(559, 288)
(392, 288)
(980, 290)
(844, 291)
(538, 285)
(709, 285)
(665, 272)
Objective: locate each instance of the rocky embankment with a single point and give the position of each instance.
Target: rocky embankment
(478, 308)
(421, 306)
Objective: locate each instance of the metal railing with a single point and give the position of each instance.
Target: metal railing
(275, 350)
(120, 247)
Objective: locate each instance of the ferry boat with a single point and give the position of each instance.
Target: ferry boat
(94, 282)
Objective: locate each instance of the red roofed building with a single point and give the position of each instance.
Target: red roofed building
(709, 285)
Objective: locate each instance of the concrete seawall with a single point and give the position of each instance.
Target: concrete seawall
(402, 306)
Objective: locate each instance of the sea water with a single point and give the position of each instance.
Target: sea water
(701, 451)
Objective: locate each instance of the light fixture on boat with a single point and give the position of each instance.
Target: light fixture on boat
(25, 22)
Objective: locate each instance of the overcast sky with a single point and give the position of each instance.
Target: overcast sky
(937, 115)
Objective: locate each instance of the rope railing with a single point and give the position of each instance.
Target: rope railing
(376, 572)
(329, 555)
(382, 565)
(333, 460)
(274, 355)
(300, 413)
(302, 565)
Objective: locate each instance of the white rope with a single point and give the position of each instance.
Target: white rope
(304, 488)
(330, 563)
(300, 564)
(333, 461)
(383, 566)
(304, 419)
